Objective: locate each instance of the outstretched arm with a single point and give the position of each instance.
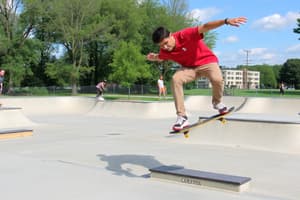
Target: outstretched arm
(215, 24)
(153, 57)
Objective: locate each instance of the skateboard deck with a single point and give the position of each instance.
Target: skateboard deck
(201, 122)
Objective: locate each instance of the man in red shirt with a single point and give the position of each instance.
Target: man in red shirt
(187, 48)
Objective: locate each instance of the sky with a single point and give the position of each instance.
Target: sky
(266, 38)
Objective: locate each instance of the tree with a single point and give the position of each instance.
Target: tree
(129, 65)
(59, 72)
(176, 14)
(124, 19)
(76, 22)
(297, 30)
(290, 73)
(18, 50)
(276, 69)
(267, 77)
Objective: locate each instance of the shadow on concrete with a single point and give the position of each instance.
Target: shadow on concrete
(115, 163)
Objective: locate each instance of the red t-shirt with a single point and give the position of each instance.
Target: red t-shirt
(190, 49)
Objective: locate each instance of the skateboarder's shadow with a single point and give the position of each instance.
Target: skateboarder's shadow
(130, 165)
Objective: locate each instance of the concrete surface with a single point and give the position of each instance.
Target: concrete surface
(83, 149)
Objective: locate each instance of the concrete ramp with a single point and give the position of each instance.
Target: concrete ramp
(11, 117)
(203, 104)
(249, 105)
(271, 124)
(277, 137)
(131, 109)
(51, 105)
(278, 106)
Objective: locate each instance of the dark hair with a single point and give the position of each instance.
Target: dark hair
(159, 34)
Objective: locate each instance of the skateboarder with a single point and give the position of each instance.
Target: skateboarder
(100, 89)
(187, 48)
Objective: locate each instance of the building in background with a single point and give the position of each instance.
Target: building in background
(241, 79)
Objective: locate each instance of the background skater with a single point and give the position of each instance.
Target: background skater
(100, 89)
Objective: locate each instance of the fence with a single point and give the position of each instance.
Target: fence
(143, 90)
(67, 90)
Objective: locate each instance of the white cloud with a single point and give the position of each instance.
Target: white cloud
(203, 15)
(231, 39)
(258, 56)
(268, 56)
(217, 53)
(293, 49)
(261, 56)
(276, 21)
(253, 51)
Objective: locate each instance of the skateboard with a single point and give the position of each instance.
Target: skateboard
(202, 121)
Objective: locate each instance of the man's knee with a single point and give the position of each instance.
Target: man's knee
(217, 81)
(177, 79)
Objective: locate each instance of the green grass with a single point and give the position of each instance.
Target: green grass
(248, 93)
(132, 97)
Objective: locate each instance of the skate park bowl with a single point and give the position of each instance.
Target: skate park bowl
(98, 146)
(263, 123)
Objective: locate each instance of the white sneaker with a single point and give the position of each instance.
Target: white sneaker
(181, 122)
(221, 108)
(100, 99)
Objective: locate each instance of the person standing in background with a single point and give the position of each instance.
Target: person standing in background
(2, 73)
(161, 86)
(281, 88)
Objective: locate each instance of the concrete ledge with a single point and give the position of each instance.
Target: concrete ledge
(201, 178)
(7, 134)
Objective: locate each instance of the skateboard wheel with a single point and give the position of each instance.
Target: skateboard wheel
(186, 134)
(223, 120)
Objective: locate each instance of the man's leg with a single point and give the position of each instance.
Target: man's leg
(182, 76)
(213, 72)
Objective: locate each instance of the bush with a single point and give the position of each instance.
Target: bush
(38, 91)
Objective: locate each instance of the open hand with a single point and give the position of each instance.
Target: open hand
(236, 21)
